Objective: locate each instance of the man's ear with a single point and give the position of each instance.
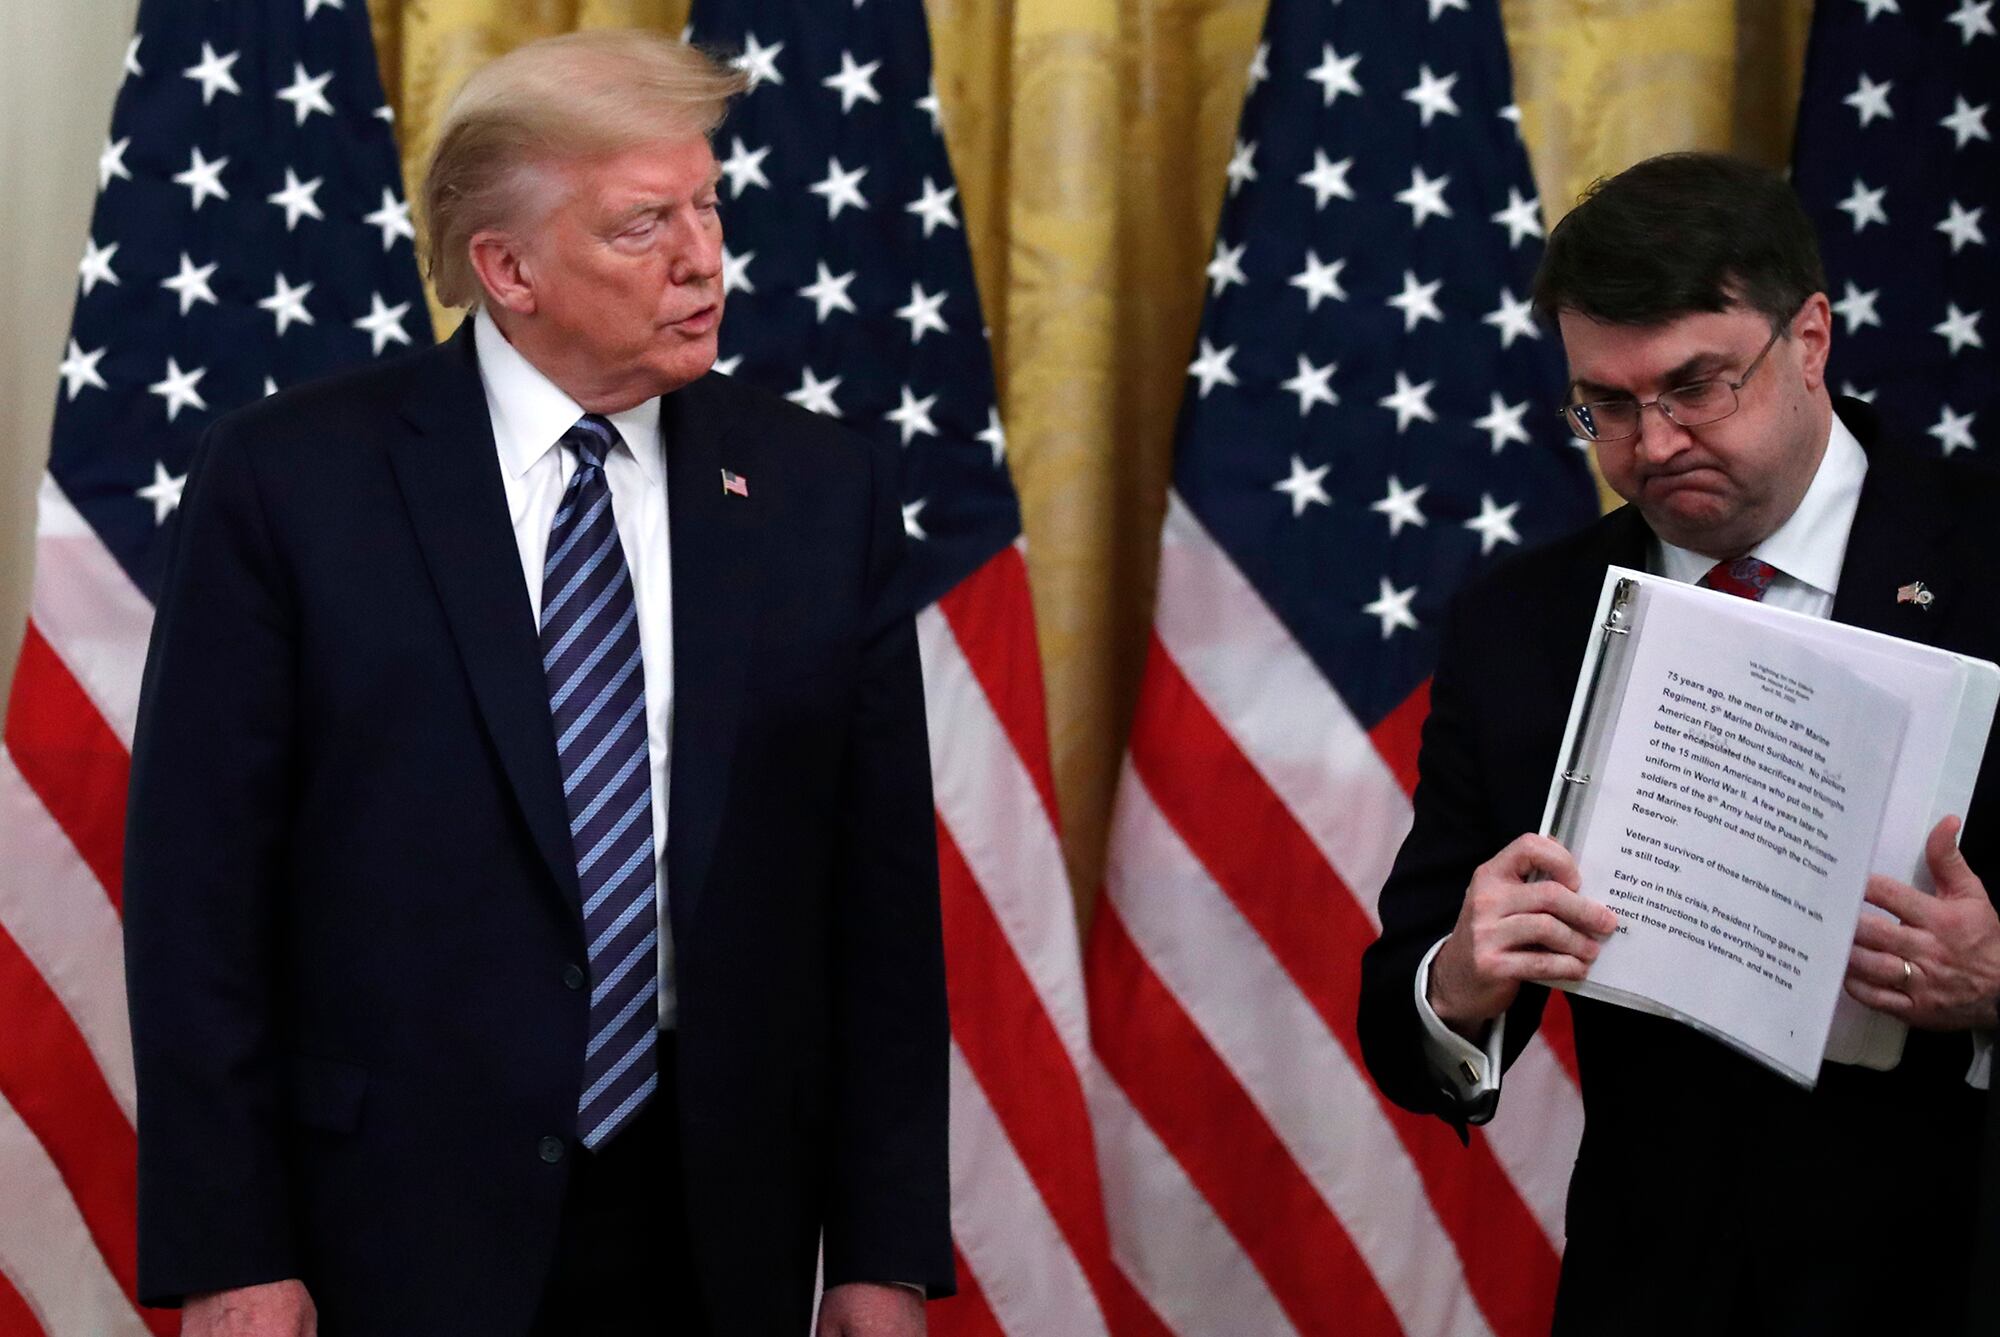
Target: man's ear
(1812, 327)
(504, 271)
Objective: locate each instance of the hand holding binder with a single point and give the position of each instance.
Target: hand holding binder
(1936, 964)
(1732, 774)
(1522, 919)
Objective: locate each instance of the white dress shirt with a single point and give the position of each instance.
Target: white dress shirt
(1807, 550)
(530, 415)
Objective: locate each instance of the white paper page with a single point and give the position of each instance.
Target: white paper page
(1733, 823)
(1913, 673)
(1860, 1035)
(1950, 700)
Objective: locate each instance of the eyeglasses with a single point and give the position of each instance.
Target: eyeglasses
(1693, 405)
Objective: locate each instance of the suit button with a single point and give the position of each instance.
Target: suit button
(573, 977)
(551, 1149)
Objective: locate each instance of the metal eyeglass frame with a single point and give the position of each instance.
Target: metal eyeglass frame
(1665, 401)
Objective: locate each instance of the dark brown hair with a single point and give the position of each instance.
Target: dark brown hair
(1678, 234)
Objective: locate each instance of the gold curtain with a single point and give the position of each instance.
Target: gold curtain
(1089, 138)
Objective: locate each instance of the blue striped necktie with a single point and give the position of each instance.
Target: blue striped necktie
(597, 699)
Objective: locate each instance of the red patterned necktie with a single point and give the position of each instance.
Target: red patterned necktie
(1746, 578)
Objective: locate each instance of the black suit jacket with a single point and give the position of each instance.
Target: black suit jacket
(1705, 1185)
(351, 900)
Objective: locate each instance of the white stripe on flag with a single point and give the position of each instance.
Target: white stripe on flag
(1166, 1237)
(92, 614)
(47, 1251)
(1317, 1102)
(1535, 1134)
(51, 904)
(1031, 1280)
(1299, 734)
(1273, 700)
(994, 813)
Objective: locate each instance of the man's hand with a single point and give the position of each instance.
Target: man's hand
(1511, 929)
(1951, 941)
(863, 1309)
(274, 1309)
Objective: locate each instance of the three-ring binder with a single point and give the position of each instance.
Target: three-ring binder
(1577, 767)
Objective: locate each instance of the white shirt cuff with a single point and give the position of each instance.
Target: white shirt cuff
(1980, 1073)
(1463, 1068)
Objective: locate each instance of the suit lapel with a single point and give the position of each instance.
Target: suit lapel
(715, 537)
(1623, 539)
(450, 480)
(1626, 542)
(1898, 538)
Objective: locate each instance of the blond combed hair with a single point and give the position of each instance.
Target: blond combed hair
(561, 99)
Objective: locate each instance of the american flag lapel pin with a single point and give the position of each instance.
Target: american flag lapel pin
(735, 484)
(1916, 592)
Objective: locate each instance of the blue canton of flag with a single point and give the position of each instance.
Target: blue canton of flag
(1371, 411)
(850, 287)
(249, 233)
(1895, 162)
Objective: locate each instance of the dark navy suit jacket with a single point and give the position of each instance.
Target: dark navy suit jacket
(1709, 1195)
(351, 904)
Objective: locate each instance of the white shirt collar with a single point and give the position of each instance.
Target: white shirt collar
(531, 413)
(1810, 546)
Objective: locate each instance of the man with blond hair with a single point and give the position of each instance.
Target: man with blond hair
(531, 904)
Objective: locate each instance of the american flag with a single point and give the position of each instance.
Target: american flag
(851, 292)
(1369, 420)
(1895, 161)
(249, 233)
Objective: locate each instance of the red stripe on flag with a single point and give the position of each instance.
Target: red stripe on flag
(71, 759)
(992, 617)
(1399, 734)
(1026, 1073)
(1195, 1106)
(1272, 872)
(965, 1314)
(16, 1319)
(48, 1075)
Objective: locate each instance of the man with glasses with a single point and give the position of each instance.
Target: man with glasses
(1709, 1195)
